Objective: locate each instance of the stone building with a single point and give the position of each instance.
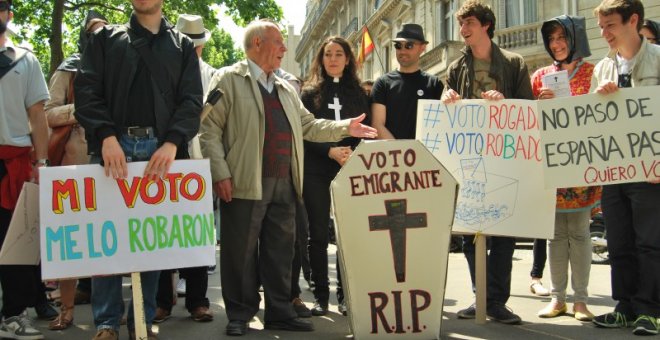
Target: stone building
(518, 26)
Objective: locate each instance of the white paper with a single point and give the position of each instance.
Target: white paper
(558, 83)
(21, 246)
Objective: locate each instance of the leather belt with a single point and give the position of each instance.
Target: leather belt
(138, 131)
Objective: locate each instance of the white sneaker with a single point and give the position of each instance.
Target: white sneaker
(181, 287)
(19, 327)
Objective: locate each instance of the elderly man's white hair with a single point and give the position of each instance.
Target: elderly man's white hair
(256, 28)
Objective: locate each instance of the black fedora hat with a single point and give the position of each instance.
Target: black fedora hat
(411, 32)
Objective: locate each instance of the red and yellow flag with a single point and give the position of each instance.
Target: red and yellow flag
(366, 45)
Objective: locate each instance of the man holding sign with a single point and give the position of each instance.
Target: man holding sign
(630, 209)
(145, 108)
(488, 72)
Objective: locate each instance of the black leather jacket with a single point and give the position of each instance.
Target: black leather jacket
(108, 69)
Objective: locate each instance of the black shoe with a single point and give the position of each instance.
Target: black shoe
(646, 325)
(295, 324)
(467, 313)
(45, 311)
(343, 308)
(501, 313)
(236, 328)
(301, 309)
(320, 308)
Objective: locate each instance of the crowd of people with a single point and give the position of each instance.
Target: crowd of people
(275, 143)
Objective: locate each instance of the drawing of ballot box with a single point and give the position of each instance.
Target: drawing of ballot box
(485, 199)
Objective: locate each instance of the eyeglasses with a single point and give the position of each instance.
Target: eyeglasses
(4, 6)
(408, 45)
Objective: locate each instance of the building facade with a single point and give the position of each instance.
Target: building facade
(518, 29)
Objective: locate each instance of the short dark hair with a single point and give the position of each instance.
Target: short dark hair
(482, 12)
(626, 8)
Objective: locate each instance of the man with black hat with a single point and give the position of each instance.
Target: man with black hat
(395, 94)
(23, 130)
(485, 71)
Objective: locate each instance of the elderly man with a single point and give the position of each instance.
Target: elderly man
(254, 138)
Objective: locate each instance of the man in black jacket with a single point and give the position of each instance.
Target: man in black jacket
(132, 114)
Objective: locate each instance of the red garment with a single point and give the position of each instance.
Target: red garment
(580, 83)
(19, 170)
(578, 198)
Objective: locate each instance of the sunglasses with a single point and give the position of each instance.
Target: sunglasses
(4, 6)
(408, 45)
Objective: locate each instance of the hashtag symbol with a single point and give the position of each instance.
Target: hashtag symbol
(431, 115)
(432, 144)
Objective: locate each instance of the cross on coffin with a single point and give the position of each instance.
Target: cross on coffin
(397, 221)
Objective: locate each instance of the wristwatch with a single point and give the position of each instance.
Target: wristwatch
(42, 162)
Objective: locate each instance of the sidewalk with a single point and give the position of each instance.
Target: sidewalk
(335, 326)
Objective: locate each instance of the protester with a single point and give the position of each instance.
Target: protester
(485, 71)
(631, 209)
(565, 39)
(650, 30)
(23, 130)
(59, 111)
(333, 92)
(253, 137)
(133, 114)
(395, 94)
(538, 265)
(193, 282)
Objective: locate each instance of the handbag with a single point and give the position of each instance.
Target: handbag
(59, 135)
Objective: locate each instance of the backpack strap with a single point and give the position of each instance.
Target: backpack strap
(6, 64)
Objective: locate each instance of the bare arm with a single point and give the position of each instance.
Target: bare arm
(378, 118)
(39, 133)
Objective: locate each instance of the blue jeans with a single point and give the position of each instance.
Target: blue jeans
(107, 299)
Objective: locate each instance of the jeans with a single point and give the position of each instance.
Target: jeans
(498, 266)
(107, 300)
(632, 218)
(540, 256)
(571, 245)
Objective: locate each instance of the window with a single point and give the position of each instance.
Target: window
(520, 12)
(444, 31)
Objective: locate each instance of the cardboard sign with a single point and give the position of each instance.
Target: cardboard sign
(394, 204)
(21, 245)
(493, 149)
(597, 140)
(94, 225)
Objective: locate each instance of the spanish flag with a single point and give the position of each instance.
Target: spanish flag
(366, 45)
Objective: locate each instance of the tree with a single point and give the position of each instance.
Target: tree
(219, 51)
(52, 27)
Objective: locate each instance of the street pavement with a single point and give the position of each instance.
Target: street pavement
(458, 295)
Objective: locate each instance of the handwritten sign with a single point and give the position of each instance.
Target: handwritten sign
(394, 204)
(493, 149)
(21, 245)
(95, 225)
(596, 140)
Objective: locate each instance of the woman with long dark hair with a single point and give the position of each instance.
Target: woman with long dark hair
(332, 91)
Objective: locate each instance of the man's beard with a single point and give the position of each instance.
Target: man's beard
(150, 10)
(3, 27)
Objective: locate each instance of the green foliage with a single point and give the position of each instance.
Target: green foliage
(219, 51)
(37, 27)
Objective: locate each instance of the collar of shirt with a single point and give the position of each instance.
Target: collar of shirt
(268, 82)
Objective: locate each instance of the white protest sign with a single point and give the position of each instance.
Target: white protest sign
(601, 139)
(394, 204)
(21, 245)
(94, 225)
(492, 148)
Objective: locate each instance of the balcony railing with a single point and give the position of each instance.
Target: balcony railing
(519, 36)
(350, 28)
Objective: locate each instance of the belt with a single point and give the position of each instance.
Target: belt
(138, 131)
